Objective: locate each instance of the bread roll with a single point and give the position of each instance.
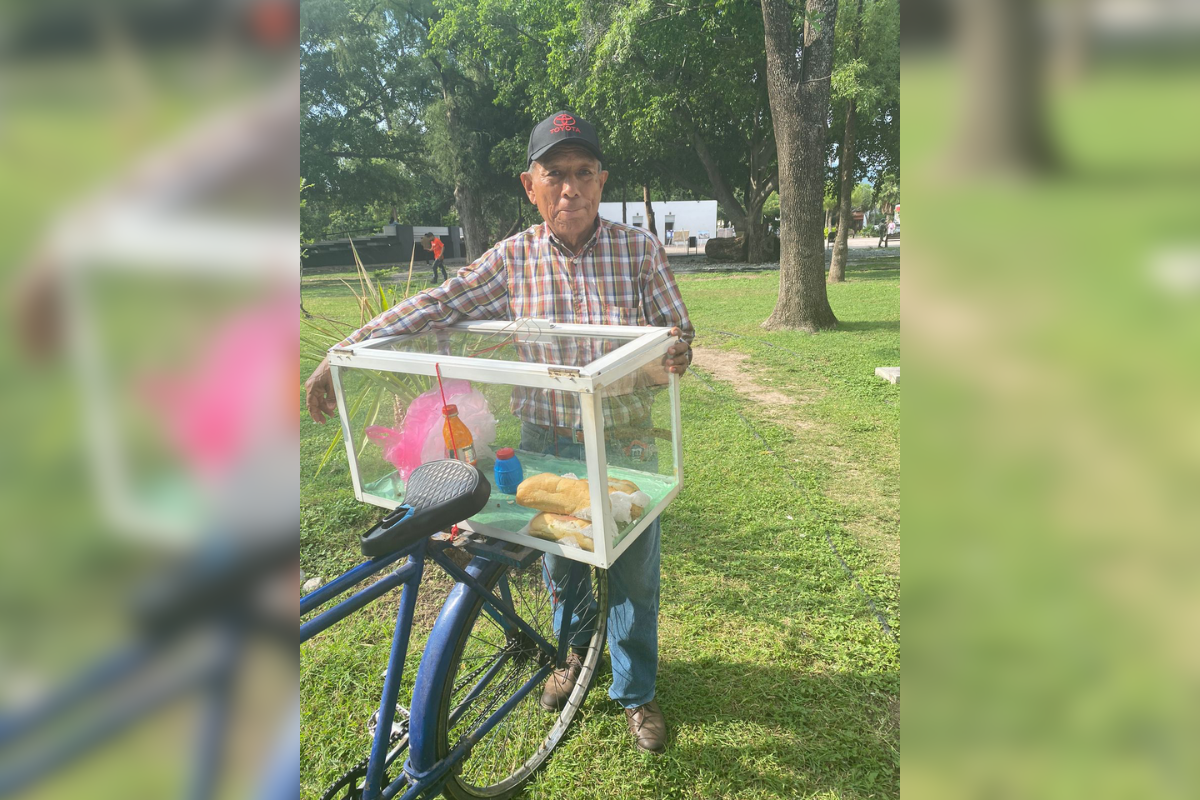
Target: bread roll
(618, 485)
(548, 492)
(568, 496)
(563, 529)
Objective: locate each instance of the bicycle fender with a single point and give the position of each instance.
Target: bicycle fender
(435, 666)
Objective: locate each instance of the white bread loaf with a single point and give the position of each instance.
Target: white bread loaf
(567, 496)
(563, 529)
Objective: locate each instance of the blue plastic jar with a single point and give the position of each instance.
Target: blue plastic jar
(508, 471)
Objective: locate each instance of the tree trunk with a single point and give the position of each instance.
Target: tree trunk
(470, 214)
(516, 226)
(799, 92)
(758, 245)
(721, 188)
(1004, 125)
(649, 210)
(624, 216)
(1073, 45)
(466, 198)
(837, 266)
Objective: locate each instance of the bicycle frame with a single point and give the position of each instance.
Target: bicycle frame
(136, 666)
(424, 772)
(193, 624)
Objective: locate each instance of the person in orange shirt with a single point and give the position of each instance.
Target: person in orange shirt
(434, 245)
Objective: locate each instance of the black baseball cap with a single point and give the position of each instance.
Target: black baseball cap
(562, 127)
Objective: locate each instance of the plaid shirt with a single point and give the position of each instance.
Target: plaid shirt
(620, 277)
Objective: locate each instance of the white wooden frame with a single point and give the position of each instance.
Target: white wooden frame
(644, 346)
(371, 354)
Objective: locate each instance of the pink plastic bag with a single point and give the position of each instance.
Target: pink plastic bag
(222, 402)
(419, 439)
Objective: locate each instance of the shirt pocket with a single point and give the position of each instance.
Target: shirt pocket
(622, 315)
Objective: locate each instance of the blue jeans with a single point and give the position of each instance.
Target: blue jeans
(439, 264)
(633, 594)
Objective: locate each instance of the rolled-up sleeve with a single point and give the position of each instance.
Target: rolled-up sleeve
(478, 291)
(661, 302)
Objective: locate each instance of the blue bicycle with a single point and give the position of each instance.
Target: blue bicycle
(475, 727)
(193, 625)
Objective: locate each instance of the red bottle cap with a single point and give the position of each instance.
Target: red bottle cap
(505, 453)
(450, 409)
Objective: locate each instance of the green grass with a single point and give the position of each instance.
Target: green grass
(776, 679)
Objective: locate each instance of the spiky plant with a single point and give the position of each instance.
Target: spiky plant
(321, 333)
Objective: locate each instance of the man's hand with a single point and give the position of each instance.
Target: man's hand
(677, 358)
(318, 393)
(38, 308)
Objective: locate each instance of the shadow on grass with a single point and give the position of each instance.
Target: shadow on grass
(885, 325)
(759, 726)
(329, 287)
(875, 273)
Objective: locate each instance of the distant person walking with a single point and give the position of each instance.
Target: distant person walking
(891, 231)
(434, 245)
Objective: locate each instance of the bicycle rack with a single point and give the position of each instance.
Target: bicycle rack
(513, 555)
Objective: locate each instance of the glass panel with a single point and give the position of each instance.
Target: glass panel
(162, 342)
(397, 425)
(526, 341)
(638, 441)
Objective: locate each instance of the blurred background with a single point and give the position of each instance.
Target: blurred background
(149, 249)
(1052, 458)
(149, 238)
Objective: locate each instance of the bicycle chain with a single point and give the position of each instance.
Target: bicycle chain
(352, 776)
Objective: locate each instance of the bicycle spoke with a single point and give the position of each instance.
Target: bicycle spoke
(525, 735)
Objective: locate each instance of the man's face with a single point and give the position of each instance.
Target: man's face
(565, 185)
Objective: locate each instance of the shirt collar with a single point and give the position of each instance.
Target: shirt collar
(601, 230)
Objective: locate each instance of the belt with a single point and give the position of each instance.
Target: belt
(576, 434)
(641, 433)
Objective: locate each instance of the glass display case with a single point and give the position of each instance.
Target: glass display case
(576, 427)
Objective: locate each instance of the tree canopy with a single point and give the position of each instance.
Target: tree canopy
(872, 78)
(365, 88)
(422, 108)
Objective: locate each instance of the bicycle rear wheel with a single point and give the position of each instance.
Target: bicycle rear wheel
(507, 756)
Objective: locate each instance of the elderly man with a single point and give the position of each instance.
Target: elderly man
(574, 268)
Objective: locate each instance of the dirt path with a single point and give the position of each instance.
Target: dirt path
(872, 513)
(730, 366)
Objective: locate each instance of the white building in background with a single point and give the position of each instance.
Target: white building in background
(695, 217)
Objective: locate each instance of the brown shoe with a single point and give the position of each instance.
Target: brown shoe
(561, 682)
(648, 726)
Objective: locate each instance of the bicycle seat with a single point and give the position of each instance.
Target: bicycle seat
(221, 577)
(438, 494)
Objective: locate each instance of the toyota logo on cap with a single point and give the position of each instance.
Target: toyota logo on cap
(565, 123)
